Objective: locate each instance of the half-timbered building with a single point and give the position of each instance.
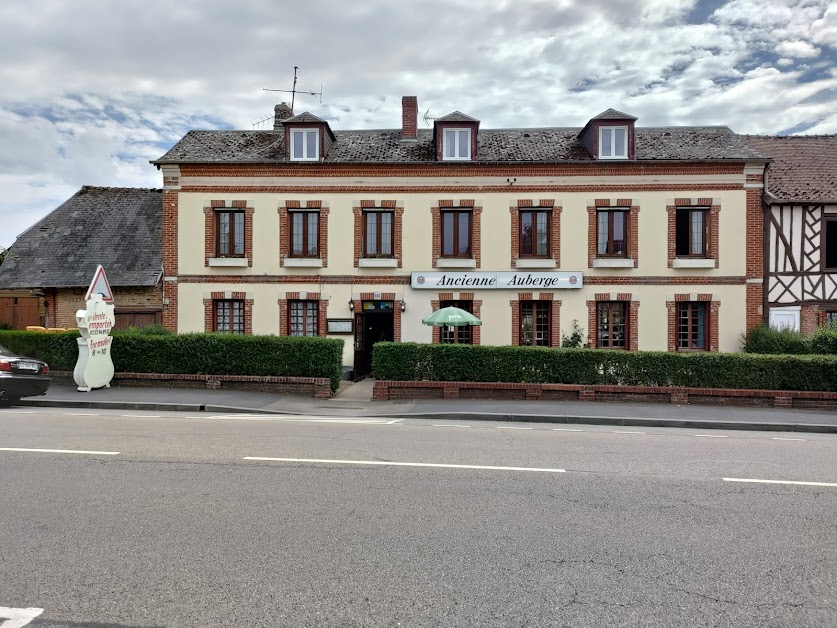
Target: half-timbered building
(800, 254)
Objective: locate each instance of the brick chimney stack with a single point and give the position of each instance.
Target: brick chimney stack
(281, 112)
(409, 119)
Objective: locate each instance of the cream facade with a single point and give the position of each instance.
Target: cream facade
(659, 296)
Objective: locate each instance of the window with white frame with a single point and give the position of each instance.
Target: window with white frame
(613, 142)
(305, 144)
(457, 144)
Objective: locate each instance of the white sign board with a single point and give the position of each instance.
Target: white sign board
(94, 368)
(515, 280)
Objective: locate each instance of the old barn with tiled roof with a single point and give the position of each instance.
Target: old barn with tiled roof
(119, 228)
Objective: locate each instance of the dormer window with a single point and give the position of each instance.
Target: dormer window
(613, 142)
(305, 144)
(457, 144)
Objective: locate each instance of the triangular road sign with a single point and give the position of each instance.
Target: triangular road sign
(100, 285)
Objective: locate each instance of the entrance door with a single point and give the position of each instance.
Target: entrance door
(376, 323)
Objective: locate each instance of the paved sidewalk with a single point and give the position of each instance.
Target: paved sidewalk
(346, 405)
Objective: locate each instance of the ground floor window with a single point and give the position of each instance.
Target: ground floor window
(534, 323)
(229, 317)
(828, 319)
(303, 319)
(612, 324)
(459, 335)
(692, 326)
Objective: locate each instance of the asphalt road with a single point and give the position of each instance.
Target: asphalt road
(173, 520)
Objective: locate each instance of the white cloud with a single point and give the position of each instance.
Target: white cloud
(93, 103)
(797, 49)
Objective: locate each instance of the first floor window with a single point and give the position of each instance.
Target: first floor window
(691, 232)
(458, 335)
(534, 323)
(303, 318)
(692, 327)
(377, 234)
(305, 234)
(829, 243)
(612, 233)
(612, 324)
(534, 232)
(229, 317)
(229, 230)
(456, 233)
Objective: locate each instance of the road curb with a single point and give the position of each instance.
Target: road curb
(110, 405)
(558, 419)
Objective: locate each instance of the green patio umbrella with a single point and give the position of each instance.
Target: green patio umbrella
(451, 317)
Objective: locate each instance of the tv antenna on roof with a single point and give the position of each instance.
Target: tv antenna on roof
(428, 118)
(294, 91)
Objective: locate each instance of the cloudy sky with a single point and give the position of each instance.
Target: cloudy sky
(93, 89)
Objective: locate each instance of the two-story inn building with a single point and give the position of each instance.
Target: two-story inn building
(649, 238)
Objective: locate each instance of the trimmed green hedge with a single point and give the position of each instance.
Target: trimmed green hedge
(764, 339)
(416, 362)
(208, 354)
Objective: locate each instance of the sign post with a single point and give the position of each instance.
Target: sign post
(94, 368)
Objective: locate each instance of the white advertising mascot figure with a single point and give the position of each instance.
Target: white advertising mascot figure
(94, 368)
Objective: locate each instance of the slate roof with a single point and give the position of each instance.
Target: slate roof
(119, 228)
(456, 116)
(305, 116)
(551, 145)
(804, 167)
(612, 114)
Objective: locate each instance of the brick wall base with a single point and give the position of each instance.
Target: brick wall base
(387, 390)
(317, 387)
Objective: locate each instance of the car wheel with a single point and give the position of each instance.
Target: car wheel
(8, 402)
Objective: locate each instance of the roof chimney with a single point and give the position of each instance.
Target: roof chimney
(409, 119)
(282, 112)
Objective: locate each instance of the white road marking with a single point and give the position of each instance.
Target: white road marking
(450, 425)
(710, 436)
(511, 427)
(394, 421)
(140, 416)
(565, 429)
(60, 451)
(405, 464)
(831, 484)
(78, 414)
(16, 412)
(17, 617)
(778, 438)
(617, 432)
